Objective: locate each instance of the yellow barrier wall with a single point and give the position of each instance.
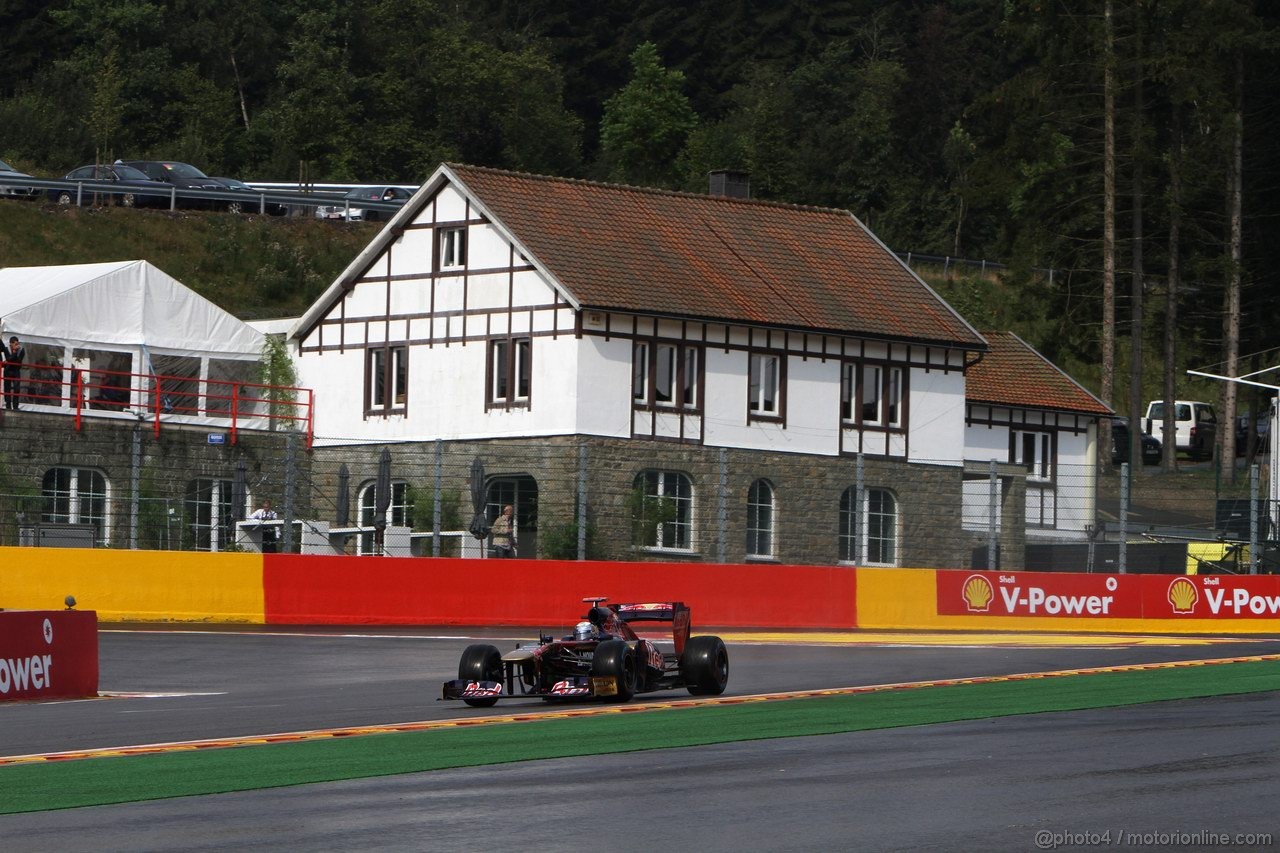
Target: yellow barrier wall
(142, 586)
(908, 599)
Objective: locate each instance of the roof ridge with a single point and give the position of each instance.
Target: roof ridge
(758, 202)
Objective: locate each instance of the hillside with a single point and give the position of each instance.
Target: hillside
(255, 267)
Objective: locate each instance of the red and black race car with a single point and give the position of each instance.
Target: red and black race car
(602, 658)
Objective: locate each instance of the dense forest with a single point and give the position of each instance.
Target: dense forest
(1118, 155)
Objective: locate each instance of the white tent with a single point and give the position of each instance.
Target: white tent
(124, 320)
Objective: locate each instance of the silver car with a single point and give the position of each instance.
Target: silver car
(350, 206)
(9, 190)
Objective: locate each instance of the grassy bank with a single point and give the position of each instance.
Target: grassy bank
(252, 266)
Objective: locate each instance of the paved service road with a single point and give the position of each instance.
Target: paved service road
(1206, 765)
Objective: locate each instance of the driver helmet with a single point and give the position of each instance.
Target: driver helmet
(583, 631)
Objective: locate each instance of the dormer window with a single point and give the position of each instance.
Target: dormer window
(453, 247)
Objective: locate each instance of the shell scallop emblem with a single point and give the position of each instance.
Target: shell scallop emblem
(1183, 595)
(978, 594)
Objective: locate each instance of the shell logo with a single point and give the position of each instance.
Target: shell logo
(1183, 595)
(978, 594)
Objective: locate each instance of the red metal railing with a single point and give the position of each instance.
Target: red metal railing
(160, 398)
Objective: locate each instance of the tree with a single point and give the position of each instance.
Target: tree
(105, 107)
(317, 117)
(646, 124)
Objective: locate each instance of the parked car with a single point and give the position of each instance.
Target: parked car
(248, 205)
(1195, 426)
(11, 191)
(183, 176)
(130, 188)
(350, 209)
(1151, 447)
(1263, 431)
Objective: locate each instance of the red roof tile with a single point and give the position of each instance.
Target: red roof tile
(1012, 373)
(715, 258)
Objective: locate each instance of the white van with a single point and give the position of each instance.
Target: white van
(1195, 426)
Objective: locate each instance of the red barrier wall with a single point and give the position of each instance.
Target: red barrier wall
(48, 654)
(546, 593)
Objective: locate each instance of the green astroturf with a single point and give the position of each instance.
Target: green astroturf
(99, 781)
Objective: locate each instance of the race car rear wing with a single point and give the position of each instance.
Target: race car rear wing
(675, 612)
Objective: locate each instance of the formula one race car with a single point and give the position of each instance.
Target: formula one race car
(602, 658)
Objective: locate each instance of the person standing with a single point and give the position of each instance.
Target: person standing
(504, 533)
(13, 358)
(270, 534)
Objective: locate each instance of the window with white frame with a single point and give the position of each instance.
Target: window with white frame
(764, 386)
(665, 375)
(399, 512)
(882, 527)
(210, 514)
(453, 247)
(388, 379)
(868, 533)
(878, 387)
(640, 373)
(1033, 451)
(76, 496)
(510, 371)
(760, 518)
(664, 515)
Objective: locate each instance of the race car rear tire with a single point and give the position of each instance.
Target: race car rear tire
(480, 662)
(614, 659)
(705, 666)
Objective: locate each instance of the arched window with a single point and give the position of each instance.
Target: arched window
(872, 538)
(77, 496)
(399, 512)
(882, 528)
(760, 519)
(663, 510)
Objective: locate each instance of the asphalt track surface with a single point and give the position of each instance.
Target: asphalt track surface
(1178, 768)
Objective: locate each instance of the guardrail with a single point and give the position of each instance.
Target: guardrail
(324, 195)
(158, 398)
(262, 198)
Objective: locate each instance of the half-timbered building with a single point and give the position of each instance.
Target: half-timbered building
(661, 329)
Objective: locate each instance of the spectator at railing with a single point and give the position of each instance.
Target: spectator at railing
(13, 358)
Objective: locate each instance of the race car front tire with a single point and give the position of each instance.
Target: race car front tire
(480, 662)
(705, 666)
(614, 659)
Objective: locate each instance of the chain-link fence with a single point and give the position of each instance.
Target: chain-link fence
(593, 498)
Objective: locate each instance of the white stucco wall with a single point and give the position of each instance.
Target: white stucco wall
(937, 417)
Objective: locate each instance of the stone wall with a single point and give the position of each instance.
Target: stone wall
(807, 494)
(32, 443)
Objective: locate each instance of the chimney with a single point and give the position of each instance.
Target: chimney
(730, 183)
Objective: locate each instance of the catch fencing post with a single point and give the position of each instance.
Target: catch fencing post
(290, 463)
(859, 490)
(437, 510)
(582, 501)
(1253, 519)
(722, 508)
(993, 503)
(1124, 518)
(135, 484)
